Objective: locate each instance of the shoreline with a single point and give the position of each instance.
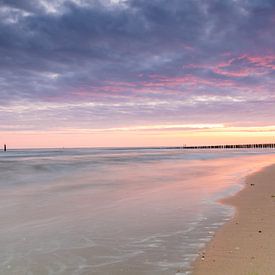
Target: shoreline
(244, 245)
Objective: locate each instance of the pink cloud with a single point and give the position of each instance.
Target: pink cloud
(240, 66)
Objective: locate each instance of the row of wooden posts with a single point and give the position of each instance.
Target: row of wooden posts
(228, 146)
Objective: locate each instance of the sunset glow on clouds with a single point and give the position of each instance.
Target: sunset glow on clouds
(136, 72)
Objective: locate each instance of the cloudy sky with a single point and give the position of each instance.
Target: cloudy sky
(136, 72)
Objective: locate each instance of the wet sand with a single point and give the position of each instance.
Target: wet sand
(245, 245)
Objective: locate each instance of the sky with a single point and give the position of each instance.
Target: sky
(80, 73)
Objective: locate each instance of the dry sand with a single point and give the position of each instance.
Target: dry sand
(245, 245)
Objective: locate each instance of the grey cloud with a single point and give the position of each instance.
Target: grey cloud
(91, 50)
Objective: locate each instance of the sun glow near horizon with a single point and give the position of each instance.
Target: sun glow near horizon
(140, 136)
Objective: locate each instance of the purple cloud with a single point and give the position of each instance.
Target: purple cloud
(114, 63)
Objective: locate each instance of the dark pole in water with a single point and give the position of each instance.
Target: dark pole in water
(5, 147)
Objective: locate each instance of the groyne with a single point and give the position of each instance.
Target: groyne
(230, 146)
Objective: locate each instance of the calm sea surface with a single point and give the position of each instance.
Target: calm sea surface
(114, 211)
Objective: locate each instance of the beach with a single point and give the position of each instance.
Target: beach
(118, 211)
(245, 245)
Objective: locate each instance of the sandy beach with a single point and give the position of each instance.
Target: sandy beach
(246, 244)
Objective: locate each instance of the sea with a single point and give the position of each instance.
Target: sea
(115, 210)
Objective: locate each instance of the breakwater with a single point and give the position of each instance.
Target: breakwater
(232, 146)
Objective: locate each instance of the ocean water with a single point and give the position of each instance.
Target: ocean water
(115, 211)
